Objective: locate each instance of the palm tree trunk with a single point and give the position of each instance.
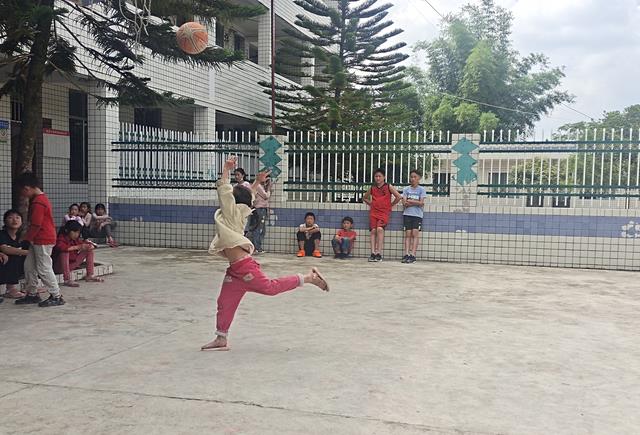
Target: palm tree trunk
(31, 130)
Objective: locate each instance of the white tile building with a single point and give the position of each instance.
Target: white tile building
(75, 160)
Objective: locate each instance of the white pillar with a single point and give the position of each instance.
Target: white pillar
(465, 153)
(309, 70)
(204, 122)
(264, 40)
(272, 156)
(104, 125)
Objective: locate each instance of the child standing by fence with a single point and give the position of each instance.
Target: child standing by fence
(244, 273)
(413, 200)
(378, 197)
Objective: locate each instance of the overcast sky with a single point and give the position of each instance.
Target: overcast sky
(597, 41)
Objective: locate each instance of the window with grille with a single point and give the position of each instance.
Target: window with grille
(78, 137)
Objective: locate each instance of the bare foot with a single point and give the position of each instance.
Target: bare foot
(314, 277)
(220, 343)
(93, 279)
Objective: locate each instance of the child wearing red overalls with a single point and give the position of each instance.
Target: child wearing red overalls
(378, 197)
(244, 273)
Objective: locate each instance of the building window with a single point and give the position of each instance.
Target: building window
(238, 43)
(148, 117)
(78, 137)
(17, 109)
(219, 34)
(253, 53)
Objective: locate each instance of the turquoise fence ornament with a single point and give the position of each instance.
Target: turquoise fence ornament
(270, 158)
(465, 162)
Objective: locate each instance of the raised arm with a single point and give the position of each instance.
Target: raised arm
(260, 178)
(225, 190)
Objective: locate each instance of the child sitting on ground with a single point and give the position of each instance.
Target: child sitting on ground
(309, 237)
(344, 240)
(102, 225)
(73, 215)
(13, 252)
(71, 251)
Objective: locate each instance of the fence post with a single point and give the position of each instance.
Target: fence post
(465, 153)
(272, 156)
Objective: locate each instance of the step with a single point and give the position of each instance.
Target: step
(100, 269)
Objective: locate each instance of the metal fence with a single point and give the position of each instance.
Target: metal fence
(339, 167)
(598, 169)
(162, 159)
(592, 168)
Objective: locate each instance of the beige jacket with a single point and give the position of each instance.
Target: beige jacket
(230, 219)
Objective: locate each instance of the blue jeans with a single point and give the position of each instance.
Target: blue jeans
(259, 229)
(341, 247)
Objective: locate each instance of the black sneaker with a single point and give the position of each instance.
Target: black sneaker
(378, 257)
(52, 301)
(405, 259)
(411, 259)
(29, 299)
(373, 257)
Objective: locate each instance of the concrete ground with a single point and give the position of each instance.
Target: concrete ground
(392, 349)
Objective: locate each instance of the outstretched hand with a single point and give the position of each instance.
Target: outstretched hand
(230, 163)
(262, 176)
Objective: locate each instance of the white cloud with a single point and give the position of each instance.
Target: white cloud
(597, 41)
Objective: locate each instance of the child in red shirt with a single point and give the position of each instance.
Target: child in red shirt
(378, 197)
(71, 251)
(41, 233)
(344, 240)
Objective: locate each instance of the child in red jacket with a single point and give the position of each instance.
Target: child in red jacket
(41, 233)
(71, 251)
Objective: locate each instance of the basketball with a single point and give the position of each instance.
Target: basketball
(192, 38)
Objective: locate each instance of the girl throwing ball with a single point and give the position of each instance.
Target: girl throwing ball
(244, 273)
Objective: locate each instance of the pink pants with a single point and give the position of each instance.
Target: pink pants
(63, 265)
(246, 276)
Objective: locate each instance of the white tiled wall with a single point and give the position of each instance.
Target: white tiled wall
(5, 156)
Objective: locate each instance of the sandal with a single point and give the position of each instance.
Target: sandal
(324, 287)
(93, 279)
(14, 294)
(70, 284)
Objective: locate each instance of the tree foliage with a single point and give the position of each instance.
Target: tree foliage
(473, 63)
(358, 80)
(609, 125)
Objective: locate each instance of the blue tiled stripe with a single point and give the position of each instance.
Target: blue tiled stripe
(443, 222)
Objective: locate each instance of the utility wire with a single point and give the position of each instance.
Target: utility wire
(433, 7)
(591, 118)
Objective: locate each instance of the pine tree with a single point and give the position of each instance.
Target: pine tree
(358, 75)
(36, 41)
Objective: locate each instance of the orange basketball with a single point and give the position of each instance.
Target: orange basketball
(192, 38)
